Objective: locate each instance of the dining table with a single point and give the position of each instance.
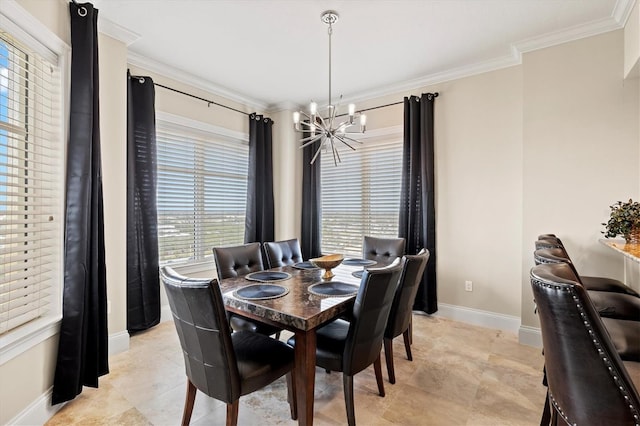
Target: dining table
(300, 305)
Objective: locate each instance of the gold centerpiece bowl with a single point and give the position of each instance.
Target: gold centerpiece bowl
(327, 263)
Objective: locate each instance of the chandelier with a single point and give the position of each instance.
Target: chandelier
(329, 130)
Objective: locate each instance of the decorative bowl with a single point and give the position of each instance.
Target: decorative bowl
(327, 263)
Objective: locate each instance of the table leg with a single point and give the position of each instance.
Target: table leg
(305, 360)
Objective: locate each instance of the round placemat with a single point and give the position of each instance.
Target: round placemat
(358, 274)
(304, 265)
(359, 262)
(333, 288)
(261, 291)
(268, 276)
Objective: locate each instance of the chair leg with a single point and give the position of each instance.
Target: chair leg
(232, 412)
(546, 412)
(407, 344)
(377, 367)
(348, 399)
(411, 330)
(278, 335)
(291, 394)
(388, 356)
(190, 399)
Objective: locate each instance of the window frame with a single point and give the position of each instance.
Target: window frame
(16, 21)
(173, 120)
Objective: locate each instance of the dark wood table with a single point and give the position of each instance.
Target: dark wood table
(299, 311)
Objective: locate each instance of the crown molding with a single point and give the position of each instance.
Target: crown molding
(118, 32)
(622, 11)
(192, 80)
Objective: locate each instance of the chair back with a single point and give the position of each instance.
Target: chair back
(548, 243)
(238, 261)
(402, 306)
(555, 255)
(382, 250)
(588, 384)
(199, 316)
(370, 314)
(282, 253)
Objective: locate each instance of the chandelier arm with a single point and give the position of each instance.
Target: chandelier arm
(315, 138)
(345, 142)
(351, 139)
(317, 152)
(338, 155)
(307, 139)
(333, 151)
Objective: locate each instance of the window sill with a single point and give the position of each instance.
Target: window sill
(20, 340)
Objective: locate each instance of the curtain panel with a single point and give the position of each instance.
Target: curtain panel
(259, 221)
(143, 281)
(311, 237)
(82, 348)
(417, 222)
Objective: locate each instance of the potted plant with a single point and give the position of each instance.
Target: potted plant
(624, 220)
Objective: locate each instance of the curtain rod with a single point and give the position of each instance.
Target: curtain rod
(209, 102)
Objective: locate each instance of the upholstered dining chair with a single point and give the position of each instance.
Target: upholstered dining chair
(218, 363)
(587, 381)
(550, 241)
(382, 250)
(350, 347)
(282, 253)
(609, 304)
(237, 261)
(400, 315)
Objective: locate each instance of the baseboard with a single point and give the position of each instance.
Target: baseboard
(478, 317)
(38, 412)
(118, 342)
(530, 336)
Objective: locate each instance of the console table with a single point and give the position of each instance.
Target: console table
(631, 254)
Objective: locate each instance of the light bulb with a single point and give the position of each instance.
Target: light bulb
(363, 120)
(352, 109)
(313, 108)
(296, 117)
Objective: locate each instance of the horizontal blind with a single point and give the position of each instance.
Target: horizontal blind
(30, 177)
(202, 191)
(361, 195)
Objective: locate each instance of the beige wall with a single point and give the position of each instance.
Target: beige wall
(580, 150)
(566, 107)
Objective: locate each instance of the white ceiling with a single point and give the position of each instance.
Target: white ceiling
(274, 53)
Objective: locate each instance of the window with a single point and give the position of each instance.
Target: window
(361, 195)
(30, 185)
(202, 190)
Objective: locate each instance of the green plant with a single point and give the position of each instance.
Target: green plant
(624, 218)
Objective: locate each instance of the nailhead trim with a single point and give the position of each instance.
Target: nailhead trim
(598, 345)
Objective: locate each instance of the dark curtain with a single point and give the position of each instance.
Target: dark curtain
(311, 204)
(82, 348)
(143, 281)
(259, 221)
(417, 224)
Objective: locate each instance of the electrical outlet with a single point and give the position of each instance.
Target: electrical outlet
(468, 286)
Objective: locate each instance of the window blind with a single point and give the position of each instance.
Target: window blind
(202, 191)
(361, 195)
(30, 184)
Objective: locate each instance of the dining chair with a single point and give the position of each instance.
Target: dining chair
(587, 380)
(402, 307)
(218, 363)
(238, 261)
(550, 241)
(282, 253)
(609, 304)
(350, 347)
(382, 250)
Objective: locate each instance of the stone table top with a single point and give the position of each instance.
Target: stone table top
(632, 251)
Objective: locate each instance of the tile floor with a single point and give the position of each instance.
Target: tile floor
(461, 375)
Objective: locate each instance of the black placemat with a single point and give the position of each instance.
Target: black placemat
(268, 276)
(359, 262)
(304, 265)
(333, 288)
(261, 291)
